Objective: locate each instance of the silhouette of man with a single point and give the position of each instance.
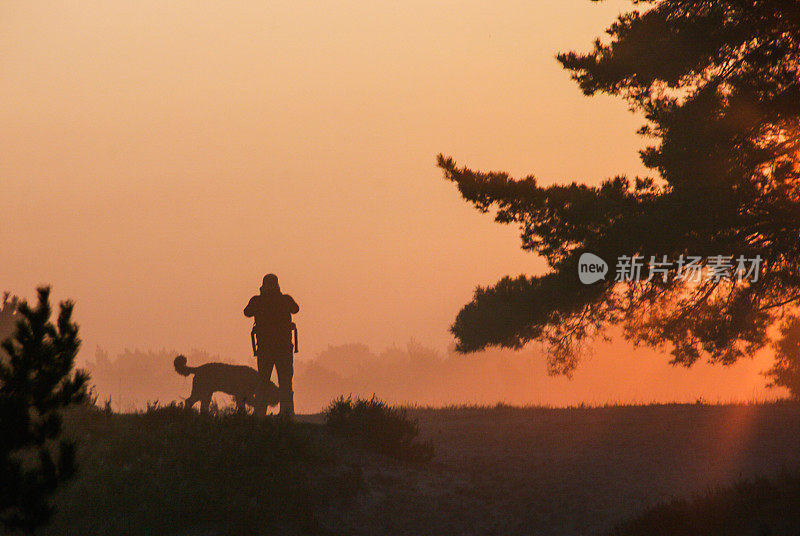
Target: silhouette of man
(273, 312)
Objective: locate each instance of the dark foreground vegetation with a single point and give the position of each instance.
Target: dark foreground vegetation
(759, 507)
(169, 471)
(497, 471)
(166, 471)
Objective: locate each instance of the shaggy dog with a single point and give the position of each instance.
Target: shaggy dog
(241, 382)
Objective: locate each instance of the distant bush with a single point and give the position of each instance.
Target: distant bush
(374, 425)
(785, 372)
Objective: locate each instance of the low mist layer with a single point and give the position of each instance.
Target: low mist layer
(416, 374)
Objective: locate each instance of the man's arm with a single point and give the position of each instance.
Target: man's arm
(291, 304)
(250, 310)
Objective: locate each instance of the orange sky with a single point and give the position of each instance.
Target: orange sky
(159, 157)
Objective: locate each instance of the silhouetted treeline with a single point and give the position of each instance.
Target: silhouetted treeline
(416, 374)
(410, 374)
(136, 377)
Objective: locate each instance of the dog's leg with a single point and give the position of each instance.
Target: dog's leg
(239, 400)
(194, 397)
(189, 402)
(204, 403)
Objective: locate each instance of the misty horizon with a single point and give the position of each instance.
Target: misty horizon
(417, 375)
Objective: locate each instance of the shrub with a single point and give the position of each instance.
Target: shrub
(36, 382)
(373, 424)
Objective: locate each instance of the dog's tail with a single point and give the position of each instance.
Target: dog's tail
(181, 367)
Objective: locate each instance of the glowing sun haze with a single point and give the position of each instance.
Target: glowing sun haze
(160, 157)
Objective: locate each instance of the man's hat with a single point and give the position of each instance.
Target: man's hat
(270, 281)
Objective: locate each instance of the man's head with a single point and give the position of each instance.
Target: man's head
(270, 284)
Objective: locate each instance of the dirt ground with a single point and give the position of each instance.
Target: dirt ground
(552, 472)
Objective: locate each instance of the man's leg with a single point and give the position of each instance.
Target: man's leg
(265, 364)
(285, 369)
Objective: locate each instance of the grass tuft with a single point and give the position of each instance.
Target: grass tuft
(374, 425)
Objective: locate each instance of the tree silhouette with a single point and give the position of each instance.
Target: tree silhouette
(719, 85)
(35, 383)
(785, 372)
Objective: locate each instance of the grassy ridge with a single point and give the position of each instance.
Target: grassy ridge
(166, 471)
(498, 471)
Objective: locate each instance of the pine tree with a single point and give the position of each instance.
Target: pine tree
(719, 85)
(36, 382)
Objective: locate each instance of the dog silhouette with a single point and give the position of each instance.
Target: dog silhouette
(239, 381)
